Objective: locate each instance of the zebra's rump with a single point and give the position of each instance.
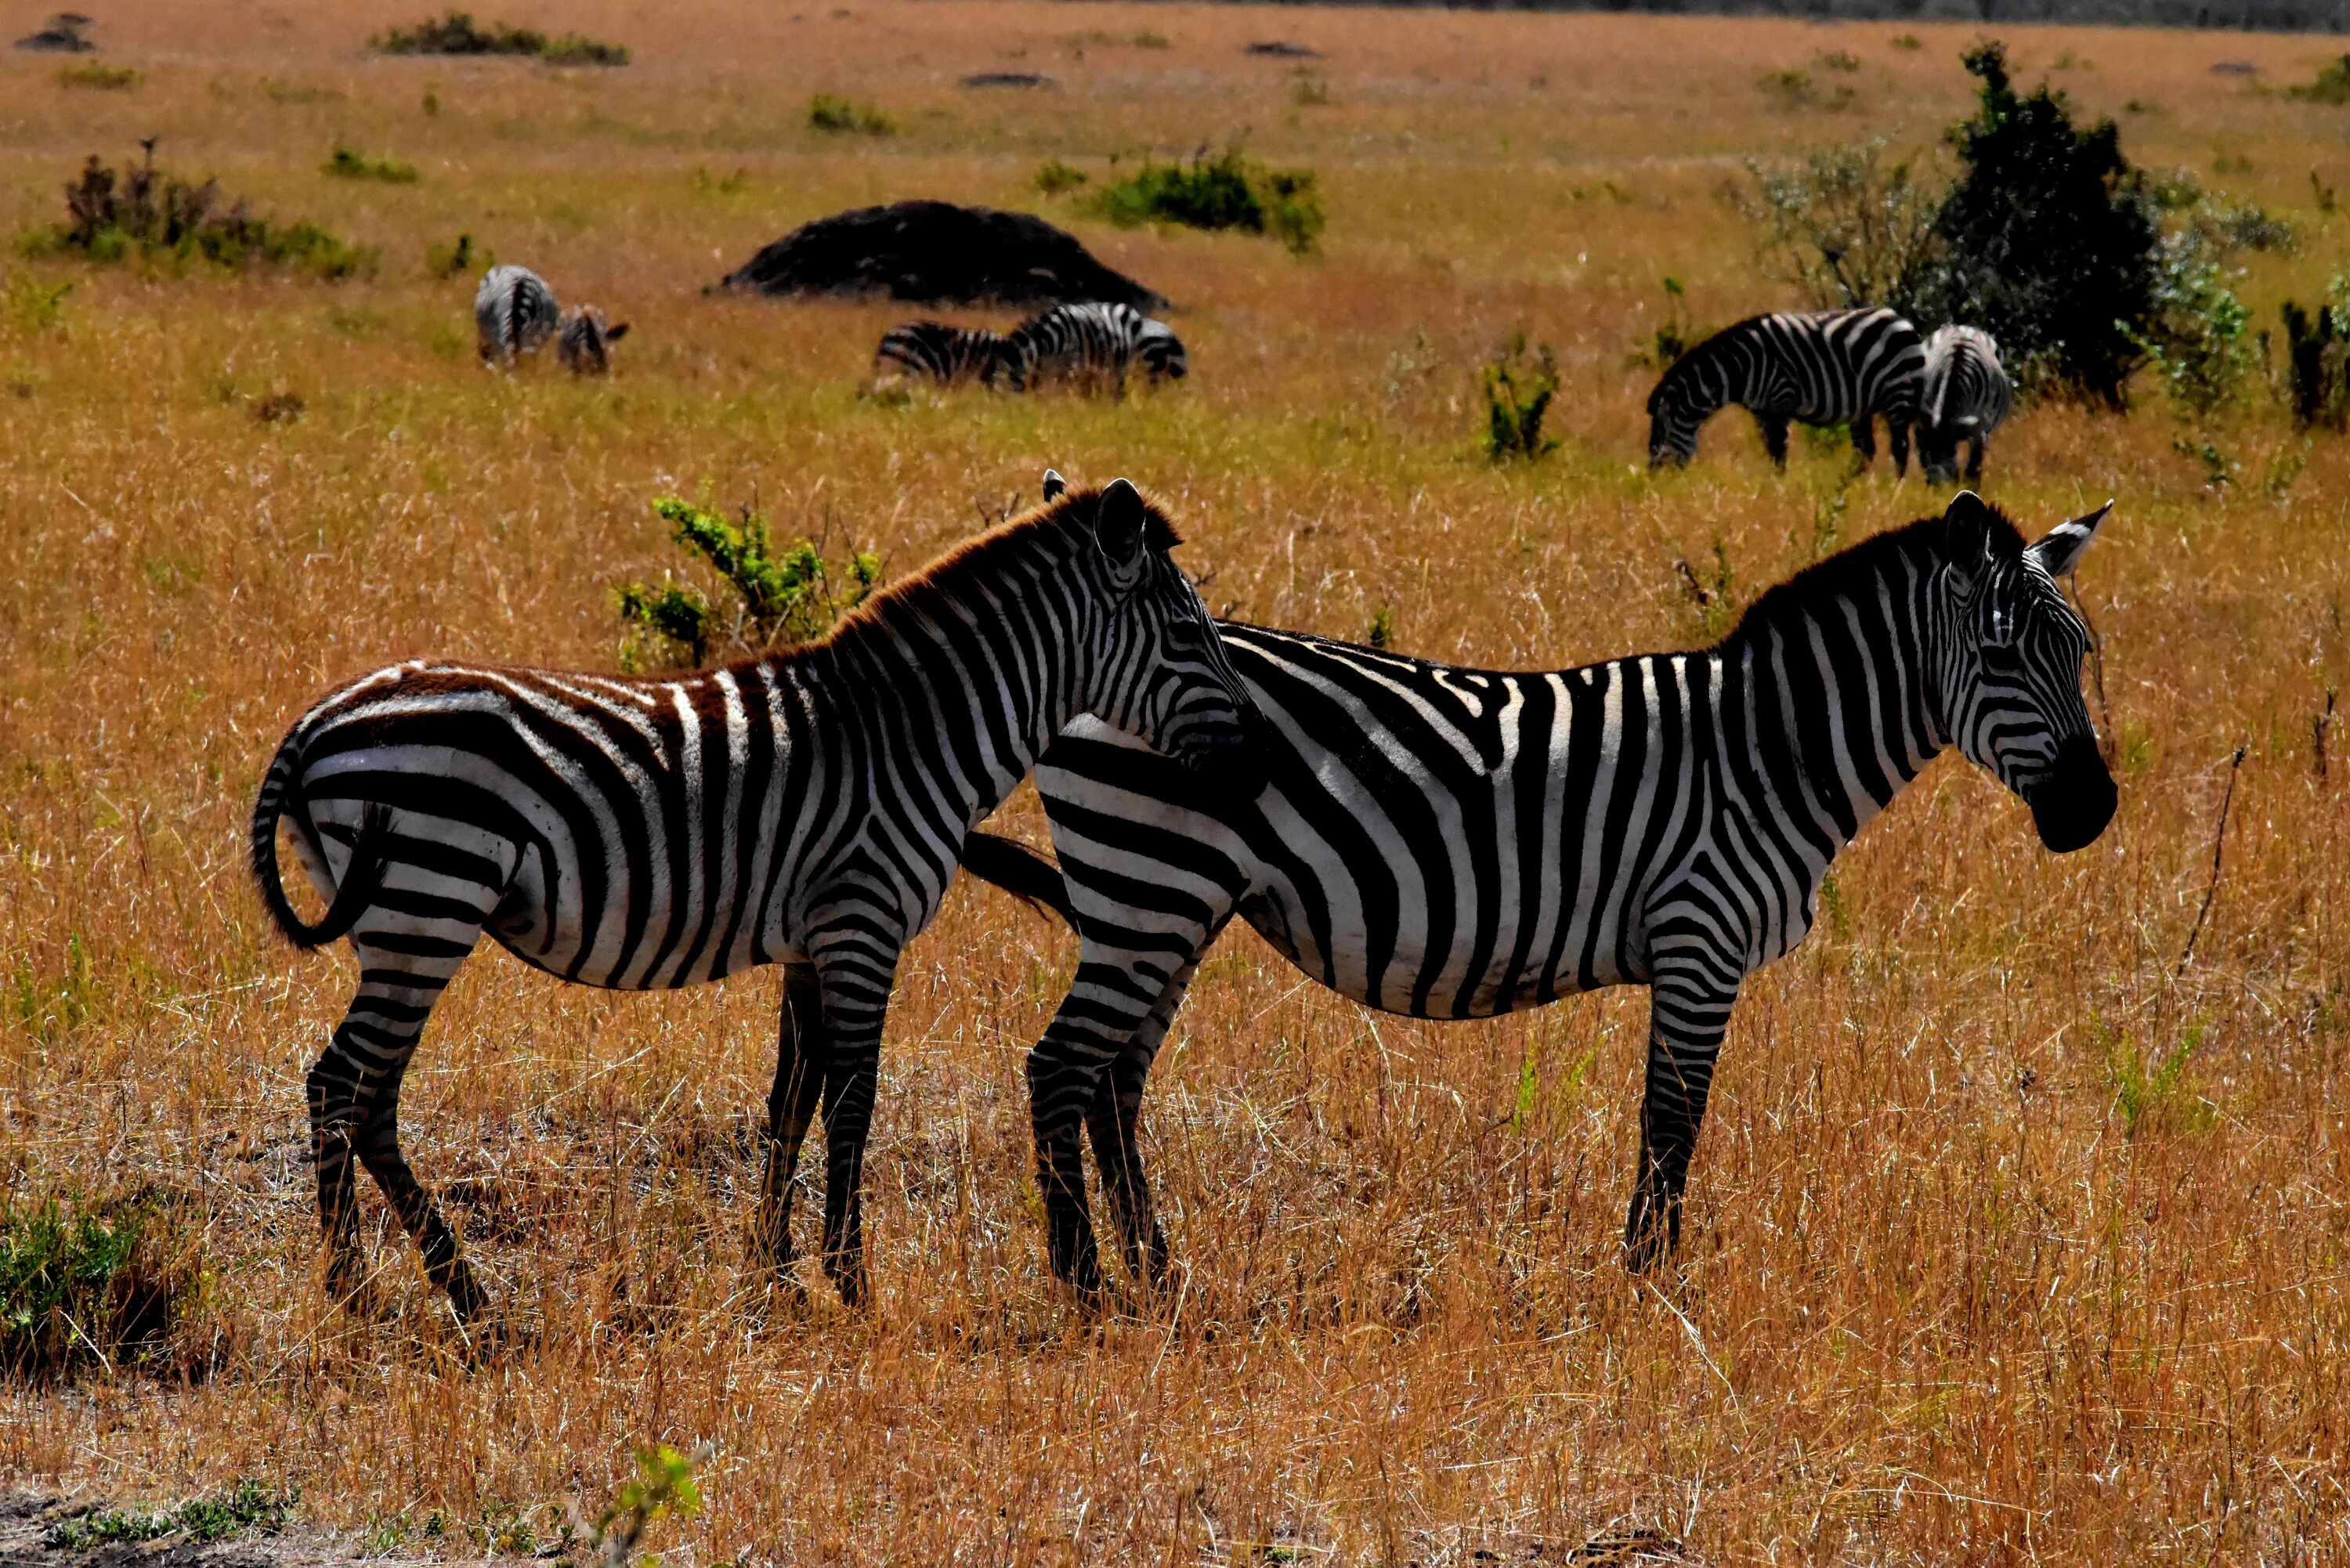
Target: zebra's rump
(591, 825)
(1964, 387)
(1092, 342)
(514, 313)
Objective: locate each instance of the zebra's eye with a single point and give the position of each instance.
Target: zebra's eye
(2001, 658)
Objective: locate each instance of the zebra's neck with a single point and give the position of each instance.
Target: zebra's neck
(1828, 697)
(964, 679)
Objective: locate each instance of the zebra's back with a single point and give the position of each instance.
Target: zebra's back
(1094, 341)
(1833, 367)
(934, 351)
(514, 313)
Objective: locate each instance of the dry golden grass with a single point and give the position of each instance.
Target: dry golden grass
(1945, 1301)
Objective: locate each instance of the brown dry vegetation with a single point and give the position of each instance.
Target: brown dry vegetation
(1945, 1299)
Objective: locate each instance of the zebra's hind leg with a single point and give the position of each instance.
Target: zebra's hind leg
(1975, 445)
(1897, 436)
(791, 1107)
(1114, 1121)
(1775, 438)
(1691, 997)
(444, 1262)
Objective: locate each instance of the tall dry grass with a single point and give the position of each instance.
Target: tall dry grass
(1954, 1291)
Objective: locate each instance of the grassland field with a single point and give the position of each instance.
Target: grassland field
(1968, 1277)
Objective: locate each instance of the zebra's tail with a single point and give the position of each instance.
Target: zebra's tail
(1020, 871)
(362, 878)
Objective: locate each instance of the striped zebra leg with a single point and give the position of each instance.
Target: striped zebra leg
(1690, 1002)
(855, 969)
(791, 1107)
(1896, 434)
(1774, 437)
(1864, 439)
(354, 1090)
(1113, 997)
(1975, 445)
(1114, 1121)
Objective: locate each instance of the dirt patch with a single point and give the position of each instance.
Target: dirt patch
(935, 253)
(1283, 49)
(37, 1531)
(1008, 80)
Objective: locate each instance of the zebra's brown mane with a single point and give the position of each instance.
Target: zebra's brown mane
(1856, 572)
(946, 576)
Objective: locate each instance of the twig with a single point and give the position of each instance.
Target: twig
(2097, 669)
(2219, 846)
(2321, 727)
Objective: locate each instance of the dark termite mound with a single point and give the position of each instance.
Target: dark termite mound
(935, 253)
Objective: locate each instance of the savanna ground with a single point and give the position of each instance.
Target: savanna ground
(1969, 1276)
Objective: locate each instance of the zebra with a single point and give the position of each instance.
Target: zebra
(1092, 344)
(514, 314)
(585, 343)
(1964, 396)
(803, 808)
(1451, 843)
(934, 351)
(1821, 368)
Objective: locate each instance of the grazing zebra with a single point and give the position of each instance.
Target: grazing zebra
(1093, 344)
(514, 314)
(933, 351)
(1821, 368)
(1964, 396)
(803, 808)
(585, 345)
(1449, 843)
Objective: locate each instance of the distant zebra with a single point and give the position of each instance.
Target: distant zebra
(1964, 396)
(933, 351)
(1450, 843)
(803, 808)
(1820, 368)
(514, 314)
(584, 344)
(1093, 344)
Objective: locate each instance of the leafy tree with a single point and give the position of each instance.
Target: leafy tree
(2050, 239)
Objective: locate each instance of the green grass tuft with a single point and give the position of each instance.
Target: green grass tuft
(1230, 190)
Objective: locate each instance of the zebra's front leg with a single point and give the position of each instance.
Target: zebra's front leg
(1864, 441)
(1690, 1002)
(853, 979)
(1775, 438)
(791, 1107)
(1975, 445)
(1898, 434)
(1105, 1009)
(1114, 1121)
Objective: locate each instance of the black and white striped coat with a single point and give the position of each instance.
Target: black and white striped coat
(1093, 344)
(1817, 368)
(804, 808)
(514, 314)
(934, 351)
(1450, 843)
(1964, 396)
(585, 345)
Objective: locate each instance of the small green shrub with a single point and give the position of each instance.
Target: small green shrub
(827, 111)
(1056, 178)
(1230, 190)
(1673, 335)
(455, 33)
(1382, 629)
(1907, 42)
(664, 1487)
(2152, 1092)
(34, 307)
(249, 1507)
(97, 74)
(1308, 92)
(458, 257)
(346, 164)
(1841, 60)
(148, 213)
(1796, 89)
(1519, 385)
(2331, 86)
(89, 1280)
(785, 597)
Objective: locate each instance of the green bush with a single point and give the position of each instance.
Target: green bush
(458, 257)
(98, 74)
(455, 33)
(84, 1280)
(1848, 225)
(2331, 86)
(785, 597)
(1230, 190)
(827, 111)
(1056, 178)
(146, 213)
(1519, 386)
(346, 164)
(248, 1506)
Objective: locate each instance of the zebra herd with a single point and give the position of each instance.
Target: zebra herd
(514, 314)
(1839, 367)
(1429, 840)
(1092, 346)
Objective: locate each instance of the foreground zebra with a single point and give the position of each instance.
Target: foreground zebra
(514, 314)
(1820, 368)
(1449, 843)
(1093, 346)
(586, 342)
(803, 808)
(1964, 396)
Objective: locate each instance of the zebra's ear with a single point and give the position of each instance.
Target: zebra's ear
(1120, 523)
(1055, 486)
(2059, 550)
(617, 333)
(1966, 537)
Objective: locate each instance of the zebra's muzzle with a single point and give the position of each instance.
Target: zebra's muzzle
(1230, 762)
(2072, 805)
